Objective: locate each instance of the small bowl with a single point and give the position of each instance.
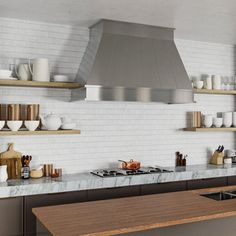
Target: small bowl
(60, 78)
(68, 126)
(36, 173)
(2, 123)
(31, 125)
(14, 125)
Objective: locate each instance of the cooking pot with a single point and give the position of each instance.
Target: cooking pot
(130, 165)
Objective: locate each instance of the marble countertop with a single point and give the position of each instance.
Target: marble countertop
(86, 181)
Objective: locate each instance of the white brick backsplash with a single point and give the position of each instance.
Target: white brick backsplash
(149, 132)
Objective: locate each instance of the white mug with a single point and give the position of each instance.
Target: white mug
(207, 120)
(234, 119)
(208, 82)
(216, 82)
(40, 71)
(227, 119)
(23, 72)
(3, 173)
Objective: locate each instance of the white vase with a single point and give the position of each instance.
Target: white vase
(3, 173)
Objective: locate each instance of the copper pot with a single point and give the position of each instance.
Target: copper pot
(130, 165)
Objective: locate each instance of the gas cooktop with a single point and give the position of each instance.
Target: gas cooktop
(121, 172)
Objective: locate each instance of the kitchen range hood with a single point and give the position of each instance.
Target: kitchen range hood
(132, 62)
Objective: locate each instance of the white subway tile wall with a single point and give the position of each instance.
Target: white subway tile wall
(148, 132)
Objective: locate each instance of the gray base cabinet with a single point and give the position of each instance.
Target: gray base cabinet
(47, 200)
(11, 216)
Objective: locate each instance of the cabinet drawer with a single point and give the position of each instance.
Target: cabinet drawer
(207, 183)
(232, 180)
(109, 193)
(163, 187)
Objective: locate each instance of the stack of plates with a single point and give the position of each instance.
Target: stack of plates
(6, 74)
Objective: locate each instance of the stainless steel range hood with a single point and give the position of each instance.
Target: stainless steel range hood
(132, 62)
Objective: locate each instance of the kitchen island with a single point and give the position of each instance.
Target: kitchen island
(134, 214)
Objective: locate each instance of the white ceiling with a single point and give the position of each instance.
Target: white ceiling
(206, 20)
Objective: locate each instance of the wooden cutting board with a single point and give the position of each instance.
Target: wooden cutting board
(12, 159)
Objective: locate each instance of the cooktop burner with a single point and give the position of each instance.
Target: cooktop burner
(121, 172)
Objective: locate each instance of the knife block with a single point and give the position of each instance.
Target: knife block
(217, 158)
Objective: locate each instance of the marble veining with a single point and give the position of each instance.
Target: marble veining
(87, 181)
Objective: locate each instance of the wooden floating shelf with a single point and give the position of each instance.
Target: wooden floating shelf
(38, 132)
(232, 129)
(213, 91)
(37, 84)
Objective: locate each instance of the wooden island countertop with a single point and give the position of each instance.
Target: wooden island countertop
(132, 214)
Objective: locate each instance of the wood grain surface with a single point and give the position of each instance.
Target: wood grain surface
(214, 91)
(116, 216)
(25, 83)
(223, 129)
(38, 132)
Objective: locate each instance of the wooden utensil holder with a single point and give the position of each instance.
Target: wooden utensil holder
(217, 158)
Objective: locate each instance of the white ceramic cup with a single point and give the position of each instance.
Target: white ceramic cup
(216, 82)
(227, 119)
(198, 84)
(208, 82)
(234, 118)
(40, 70)
(3, 173)
(207, 120)
(217, 122)
(23, 72)
(2, 123)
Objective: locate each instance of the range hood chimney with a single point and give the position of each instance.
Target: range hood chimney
(132, 62)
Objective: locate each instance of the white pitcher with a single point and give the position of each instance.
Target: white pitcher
(23, 72)
(40, 70)
(3, 173)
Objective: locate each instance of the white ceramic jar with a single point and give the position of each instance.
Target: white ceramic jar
(227, 119)
(3, 173)
(208, 82)
(207, 120)
(216, 82)
(217, 122)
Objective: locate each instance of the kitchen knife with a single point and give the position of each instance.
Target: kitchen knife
(218, 149)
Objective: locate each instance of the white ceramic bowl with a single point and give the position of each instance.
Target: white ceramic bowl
(14, 125)
(198, 84)
(2, 123)
(60, 78)
(5, 73)
(217, 122)
(68, 126)
(31, 125)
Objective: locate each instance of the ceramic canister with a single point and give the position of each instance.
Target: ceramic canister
(227, 119)
(40, 69)
(3, 173)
